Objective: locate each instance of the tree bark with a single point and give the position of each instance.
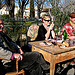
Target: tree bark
(32, 13)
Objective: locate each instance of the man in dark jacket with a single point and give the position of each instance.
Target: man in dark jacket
(28, 60)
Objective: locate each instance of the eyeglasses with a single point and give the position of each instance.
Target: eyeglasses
(48, 20)
(1, 23)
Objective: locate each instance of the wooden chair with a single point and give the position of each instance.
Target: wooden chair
(33, 32)
(22, 72)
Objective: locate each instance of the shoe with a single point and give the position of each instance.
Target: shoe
(45, 67)
(46, 72)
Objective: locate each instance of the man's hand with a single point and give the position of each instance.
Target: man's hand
(18, 56)
(21, 52)
(71, 37)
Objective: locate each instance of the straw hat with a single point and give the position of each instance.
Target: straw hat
(72, 15)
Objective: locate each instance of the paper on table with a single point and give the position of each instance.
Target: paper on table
(45, 44)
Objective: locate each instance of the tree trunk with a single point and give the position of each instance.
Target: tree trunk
(38, 11)
(11, 12)
(11, 8)
(32, 13)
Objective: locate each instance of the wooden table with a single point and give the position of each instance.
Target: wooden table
(53, 54)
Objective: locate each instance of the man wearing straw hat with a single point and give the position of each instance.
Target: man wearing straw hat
(70, 27)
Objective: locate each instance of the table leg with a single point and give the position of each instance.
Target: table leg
(52, 65)
(52, 68)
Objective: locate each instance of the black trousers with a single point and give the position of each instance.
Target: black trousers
(32, 61)
(2, 69)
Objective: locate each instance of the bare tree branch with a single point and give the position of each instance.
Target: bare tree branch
(2, 3)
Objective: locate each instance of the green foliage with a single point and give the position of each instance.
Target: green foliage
(5, 17)
(59, 16)
(60, 19)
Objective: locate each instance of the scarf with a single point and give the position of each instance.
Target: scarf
(72, 23)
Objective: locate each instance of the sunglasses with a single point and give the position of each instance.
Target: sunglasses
(48, 20)
(72, 17)
(1, 23)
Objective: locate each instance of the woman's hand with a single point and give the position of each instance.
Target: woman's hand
(51, 26)
(48, 32)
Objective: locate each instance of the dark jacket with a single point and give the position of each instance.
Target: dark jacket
(31, 60)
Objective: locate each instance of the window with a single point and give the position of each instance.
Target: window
(0, 12)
